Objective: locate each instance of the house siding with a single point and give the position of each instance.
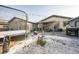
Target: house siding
(55, 23)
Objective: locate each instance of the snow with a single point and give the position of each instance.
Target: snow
(12, 33)
(25, 42)
(54, 45)
(65, 40)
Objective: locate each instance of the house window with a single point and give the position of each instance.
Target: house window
(65, 23)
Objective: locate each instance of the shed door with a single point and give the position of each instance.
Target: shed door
(77, 24)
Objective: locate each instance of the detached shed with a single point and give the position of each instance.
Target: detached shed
(19, 24)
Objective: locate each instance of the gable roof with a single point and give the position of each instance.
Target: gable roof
(56, 16)
(74, 19)
(19, 19)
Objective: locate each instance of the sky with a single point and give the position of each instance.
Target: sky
(39, 12)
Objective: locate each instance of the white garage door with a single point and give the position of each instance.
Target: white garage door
(77, 24)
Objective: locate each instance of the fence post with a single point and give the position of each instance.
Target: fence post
(5, 46)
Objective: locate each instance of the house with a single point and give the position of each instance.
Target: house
(19, 24)
(3, 26)
(73, 27)
(74, 22)
(54, 22)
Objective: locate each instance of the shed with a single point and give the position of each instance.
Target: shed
(20, 24)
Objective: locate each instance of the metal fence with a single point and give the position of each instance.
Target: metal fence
(7, 14)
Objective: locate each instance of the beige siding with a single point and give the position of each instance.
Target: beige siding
(55, 22)
(17, 24)
(3, 27)
(30, 26)
(72, 24)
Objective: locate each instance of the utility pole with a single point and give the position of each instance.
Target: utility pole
(6, 46)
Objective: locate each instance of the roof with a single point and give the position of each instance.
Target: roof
(19, 19)
(56, 16)
(2, 22)
(74, 19)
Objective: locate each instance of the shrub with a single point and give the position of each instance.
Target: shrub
(40, 41)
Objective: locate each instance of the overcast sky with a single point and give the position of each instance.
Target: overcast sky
(39, 12)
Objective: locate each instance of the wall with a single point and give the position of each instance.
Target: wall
(54, 20)
(20, 25)
(3, 27)
(13, 25)
(73, 23)
(29, 26)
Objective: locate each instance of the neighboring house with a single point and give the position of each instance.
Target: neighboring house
(54, 22)
(20, 24)
(3, 26)
(74, 22)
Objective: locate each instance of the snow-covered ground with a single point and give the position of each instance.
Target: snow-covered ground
(70, 41)
(54, 45)
(12, 33)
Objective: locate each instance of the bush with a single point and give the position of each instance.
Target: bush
(40, 41)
